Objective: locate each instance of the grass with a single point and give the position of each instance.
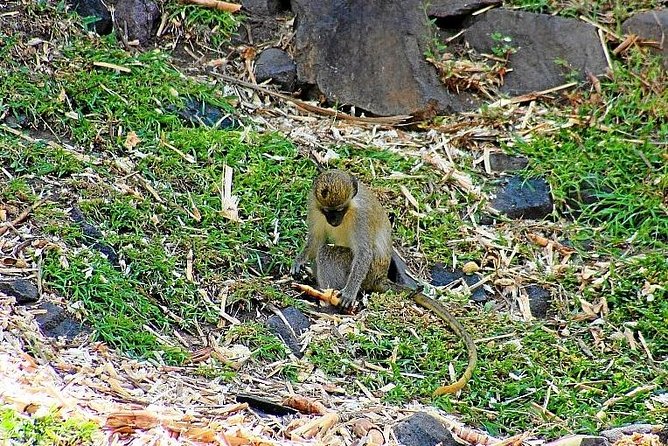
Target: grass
(46, 430)
(158, 199)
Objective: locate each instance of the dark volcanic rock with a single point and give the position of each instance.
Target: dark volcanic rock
(94, 8)
(520, 198)
(371, 55)
(501, 162)
(23, 290)
(198, 113)
(277, 65)
(55, 322)
(140, 17)
(442, 276)
(265, 406)
(298, 324)
(422, 429)
(93, 236)
(540, 300)
(549, 49)
(651, 25)
(265, 7)
(444, 9)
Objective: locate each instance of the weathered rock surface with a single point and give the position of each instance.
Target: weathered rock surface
(422, 429)
(523, 198)
(651, 25)
(265, 7)
(298, 324)
(97, 9)
(444, 9)
(24, 291)
(277, 65)
(549, 49)
(371, 55)
(139, 17)
(55, 322)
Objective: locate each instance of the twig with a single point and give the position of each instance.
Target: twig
(386, 120)
(531, 96)
(22, 216)
(215, 4)
(604, 46)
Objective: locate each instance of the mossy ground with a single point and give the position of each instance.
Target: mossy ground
(158, 198)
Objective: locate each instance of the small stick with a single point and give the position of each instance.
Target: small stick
(22, 216)
(329, 295)
(215, 4)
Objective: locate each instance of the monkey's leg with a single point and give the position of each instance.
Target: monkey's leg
(332, 266)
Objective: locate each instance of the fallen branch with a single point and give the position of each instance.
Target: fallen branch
(385, 120)
(215, 4)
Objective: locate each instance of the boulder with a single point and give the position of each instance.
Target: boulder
(371, 55)
(547, 51)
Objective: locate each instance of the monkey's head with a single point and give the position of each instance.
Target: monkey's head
(333, 191)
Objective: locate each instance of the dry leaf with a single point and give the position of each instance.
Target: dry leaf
(131, 141)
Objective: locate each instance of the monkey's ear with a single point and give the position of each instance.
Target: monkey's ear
(354, 181)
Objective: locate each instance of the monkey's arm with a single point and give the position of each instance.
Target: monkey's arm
(314, 241)
(359, 268)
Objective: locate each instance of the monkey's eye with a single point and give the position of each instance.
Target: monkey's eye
(340, 209)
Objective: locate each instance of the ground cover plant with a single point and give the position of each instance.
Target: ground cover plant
(172, 255)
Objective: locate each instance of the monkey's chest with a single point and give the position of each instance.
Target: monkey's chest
(339, 236)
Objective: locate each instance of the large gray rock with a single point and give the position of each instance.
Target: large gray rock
(651, 25)
(444, 9)
(370, 54)
(139, 17)
(549, 50)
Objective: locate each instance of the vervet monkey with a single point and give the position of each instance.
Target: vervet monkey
(346, 213)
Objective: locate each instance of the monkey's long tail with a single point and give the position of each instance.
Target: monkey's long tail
(456, 326)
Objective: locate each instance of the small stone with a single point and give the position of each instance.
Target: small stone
(23, 290)
(422, 429)
(442, 276)
(470, 267)
(277, 65)
(55, 322)
(540, 301)
(523, 198)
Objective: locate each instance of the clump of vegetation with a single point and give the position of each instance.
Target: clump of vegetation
(48, 430)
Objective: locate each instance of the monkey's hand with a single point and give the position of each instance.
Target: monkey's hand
(348, 299)
(297, 265)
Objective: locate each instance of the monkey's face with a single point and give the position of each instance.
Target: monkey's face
(334, 216)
